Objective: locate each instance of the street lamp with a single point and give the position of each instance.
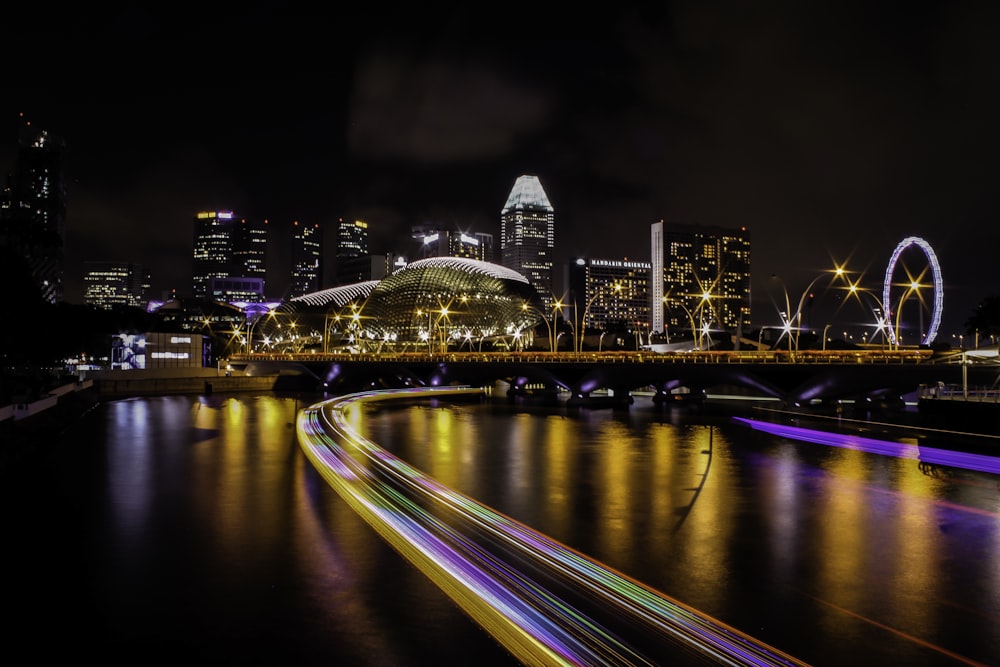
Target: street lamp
(913, 287)
(581, 324)
(550, 341)
(695, 332)
(792, 320)
(880, 312)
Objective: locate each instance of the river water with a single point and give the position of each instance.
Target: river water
(193, 529)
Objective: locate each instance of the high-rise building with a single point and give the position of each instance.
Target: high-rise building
(352, 263)
(108, 284)
(229, 257)
(527, 235)
(436, 241)
(250, 249)
(700, 276)
(610, 294)
(33, 208)
(307, 253)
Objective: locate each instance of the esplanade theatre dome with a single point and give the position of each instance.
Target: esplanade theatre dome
(444, 302)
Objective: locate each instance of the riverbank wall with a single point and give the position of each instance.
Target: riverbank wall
(121, 384)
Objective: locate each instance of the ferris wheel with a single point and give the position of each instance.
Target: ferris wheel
(894, 321)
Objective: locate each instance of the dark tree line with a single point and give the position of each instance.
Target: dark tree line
(985, 319)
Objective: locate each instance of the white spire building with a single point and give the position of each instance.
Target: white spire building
(527, 235)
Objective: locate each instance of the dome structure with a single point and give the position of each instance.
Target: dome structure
(450, 301)
(437, 303)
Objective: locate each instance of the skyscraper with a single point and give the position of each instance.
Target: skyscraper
(109, 284)
(527, 235)
(437, 241)
(229, 257)
(307, 253)
(33, 208)
(352, 263)
(614, 294)
(700, 276)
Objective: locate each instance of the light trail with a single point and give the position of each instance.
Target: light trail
(537, 625)
(944, 457)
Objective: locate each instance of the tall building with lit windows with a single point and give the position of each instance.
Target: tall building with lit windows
(33, 208)
(307, 254)
(699, 276)
(527, 235)
(229, 257)
(107, 284)
(437, 241)
(610, 294)
(352, 263)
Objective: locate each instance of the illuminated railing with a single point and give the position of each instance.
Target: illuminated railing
(813, 357)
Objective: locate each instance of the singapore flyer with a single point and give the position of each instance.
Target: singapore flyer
(911, 287)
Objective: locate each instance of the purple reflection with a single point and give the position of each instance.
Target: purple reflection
(944, 457)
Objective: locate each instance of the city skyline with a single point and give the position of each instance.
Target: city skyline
(831, 134)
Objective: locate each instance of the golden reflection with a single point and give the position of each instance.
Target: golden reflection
(664, 498)
(704, 453)
(615, 491)
(561, 473)
(844, 532)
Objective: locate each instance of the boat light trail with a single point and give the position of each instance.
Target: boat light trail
(943, 457)
(534, 623)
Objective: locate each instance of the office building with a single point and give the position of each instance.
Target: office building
(437, 241)
(700, 276)
(307, 253)
(33, 208)
(527, 235)
(108, 284)
(352, 263)
(610, 295)
(229, 257)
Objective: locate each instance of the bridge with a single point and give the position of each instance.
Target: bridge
(794, 377)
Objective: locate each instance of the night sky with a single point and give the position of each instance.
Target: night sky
(832, 131)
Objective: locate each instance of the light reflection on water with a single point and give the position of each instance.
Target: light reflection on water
(201, 530)
(821, 552)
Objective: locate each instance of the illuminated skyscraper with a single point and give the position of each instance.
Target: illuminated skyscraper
(436, 241)
(352, 263)
(612, 294)
(700, 275)
(109, 284)
(229, 257)
(527, 235)
(250, 249)
(33, 208)
(307, 253)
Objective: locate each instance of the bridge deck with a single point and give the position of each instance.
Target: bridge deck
(795, 377)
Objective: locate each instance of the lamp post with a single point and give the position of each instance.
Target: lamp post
(705, 301)
(557, 306)
(695, 331)
(912, 288)
(581, 324)
(550, 341)
(443, 315)
(793, 319)
(327, 320)
(880, 312)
